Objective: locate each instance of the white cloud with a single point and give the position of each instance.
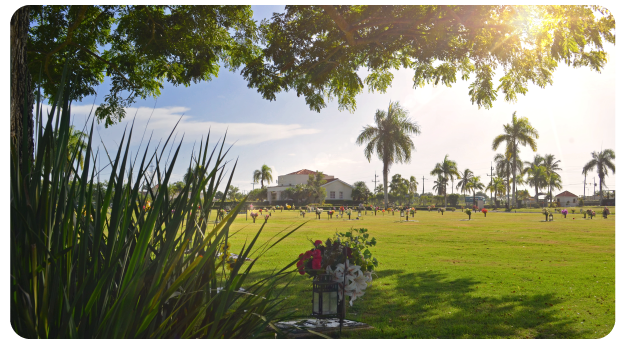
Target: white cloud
(162, 120)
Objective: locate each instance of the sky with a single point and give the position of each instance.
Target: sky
(574, 116)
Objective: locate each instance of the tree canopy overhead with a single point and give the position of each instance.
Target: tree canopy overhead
(138, 47)
(317, 50)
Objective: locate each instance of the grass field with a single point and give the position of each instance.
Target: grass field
(506, 275)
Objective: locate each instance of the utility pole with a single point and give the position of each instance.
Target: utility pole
(253, 185)
(491, 175)
(594, 188)
(375, 176)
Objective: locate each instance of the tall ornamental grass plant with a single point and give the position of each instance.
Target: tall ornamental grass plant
(91, 262)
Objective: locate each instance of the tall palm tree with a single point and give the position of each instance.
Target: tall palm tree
(413, 187)
(537, 161)
(551, 165)
(390, 138)
(475, 184)
(440, 185)
(537, 178)
(519, 131)
(447, 169)
(603, 162)
(464, 179)
(496, 186)
(554, 182)
(262, 175)
(504, 169)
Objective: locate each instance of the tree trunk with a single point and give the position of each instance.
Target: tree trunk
(601, 195)
(21, 83)
(385, 173)
(514, 174)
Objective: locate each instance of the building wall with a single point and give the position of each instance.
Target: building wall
(292, 179)
(573, 201)
(338, 187)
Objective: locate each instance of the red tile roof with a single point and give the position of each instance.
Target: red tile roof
(303, 171)
(566, 194)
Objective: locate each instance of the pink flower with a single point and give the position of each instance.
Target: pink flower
(318, 242)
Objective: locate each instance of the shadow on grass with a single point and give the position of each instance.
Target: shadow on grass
(431, 305)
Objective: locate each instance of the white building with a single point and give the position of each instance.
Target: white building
(565, 197)
(336, 189)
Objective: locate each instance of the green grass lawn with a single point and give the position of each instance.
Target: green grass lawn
(506, 275)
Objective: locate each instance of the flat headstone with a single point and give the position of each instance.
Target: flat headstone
(298, 328)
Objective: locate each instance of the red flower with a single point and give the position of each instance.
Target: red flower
(300, 256)
(317, 263)
(317, 254)
(301, 272)
(318, 242)
(307, 254)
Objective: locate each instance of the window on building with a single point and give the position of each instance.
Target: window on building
(273, 196)
(558, 200)
(332, 194)
(340, 194)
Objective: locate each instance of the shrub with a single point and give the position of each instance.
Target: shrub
(82, 270)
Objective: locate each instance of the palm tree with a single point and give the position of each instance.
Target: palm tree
(504, 168)
(413, 187)
(76, 144)
(519, 131)
(474, 184)
(360, 192)
(233, 193)
(496, 186)
(447, 168)
(264, 174)
(440, 185)
(464, 179)
(390, 138)
(551, 165)
(554, 182)
(537, 178)
(603, 162)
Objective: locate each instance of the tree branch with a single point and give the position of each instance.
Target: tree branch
(68, 40)
(341, 22)
(105, 61)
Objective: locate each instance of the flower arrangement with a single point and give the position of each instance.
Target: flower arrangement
(328, 257)
(484, 210)
(545, 212)
(469, 213)
(267, 217)
(430, 207)
(330, 213)
(221, 214)
(261, 210)
(349, 213)
(606, 212)
(564, 212)
(253, 216)
(318, 212)
(288, 206)
(442, 210)
(475, 207)
(591, 213)
(412, 212)
(383, 211)
(302, 213)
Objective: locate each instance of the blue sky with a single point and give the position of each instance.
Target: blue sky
(574, 116)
